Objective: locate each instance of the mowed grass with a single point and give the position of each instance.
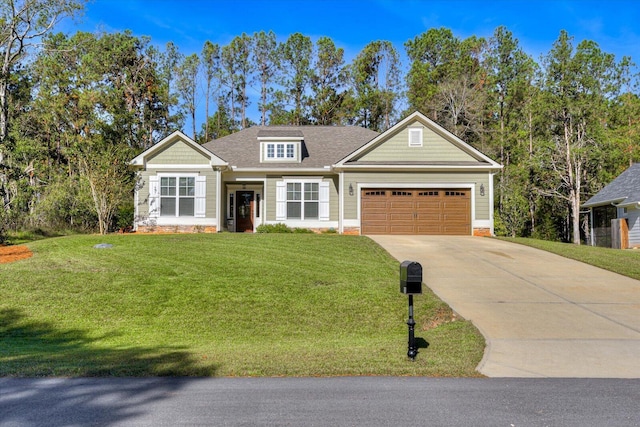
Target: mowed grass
(625, 262)
(221, 305)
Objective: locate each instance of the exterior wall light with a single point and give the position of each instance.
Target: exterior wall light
(350, 189)
(482, 189)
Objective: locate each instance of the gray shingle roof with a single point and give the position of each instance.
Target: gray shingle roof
(270, 133)
(625, 188)
(322, 145)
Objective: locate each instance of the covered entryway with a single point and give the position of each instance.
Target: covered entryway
(416, 211)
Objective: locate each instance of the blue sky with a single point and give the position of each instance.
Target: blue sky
(613, 24)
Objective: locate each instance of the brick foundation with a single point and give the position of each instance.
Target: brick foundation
(353, 231)
(150, 229)
(482, 232)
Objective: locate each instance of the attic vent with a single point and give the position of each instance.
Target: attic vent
(415, 137)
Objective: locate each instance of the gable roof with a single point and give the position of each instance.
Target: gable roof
(479, 160)
(140, 159)
(622, 191)
(322, 145)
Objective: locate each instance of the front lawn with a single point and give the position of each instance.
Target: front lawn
(625, 262)
(220, 305)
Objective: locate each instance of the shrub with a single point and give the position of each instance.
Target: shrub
(273, 228)
(303, 231)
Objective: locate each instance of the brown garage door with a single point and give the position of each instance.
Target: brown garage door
(416, 211)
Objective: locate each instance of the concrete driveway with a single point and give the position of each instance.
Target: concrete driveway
(542, 315)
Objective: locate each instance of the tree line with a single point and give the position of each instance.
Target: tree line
(76, 108)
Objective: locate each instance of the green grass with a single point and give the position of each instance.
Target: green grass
(625, 262)
(220, 305)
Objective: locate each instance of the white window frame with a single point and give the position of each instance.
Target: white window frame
(199, 207)
(415, 137)
(281, 151)
(282, 199)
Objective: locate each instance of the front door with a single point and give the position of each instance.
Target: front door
(244, 211)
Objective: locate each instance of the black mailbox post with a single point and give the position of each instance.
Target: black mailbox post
(411, 284)
(410, 278)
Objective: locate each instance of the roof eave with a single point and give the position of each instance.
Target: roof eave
(613, 202)
(433, 168)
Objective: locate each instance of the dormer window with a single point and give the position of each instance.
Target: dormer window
(280, 145)
(280, 151)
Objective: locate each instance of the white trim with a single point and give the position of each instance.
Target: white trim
(280, 138)
(206, 166)
(178, 175)
(341, 196)
(136, 200)
(140, 160)
(324, 206)
(431, 168)
(154, 196)
(281, 200)
(184, 220)
(218, 201)
(200, 192)
(302, 181)
(264, 146)
(322, 170)
(350, 223)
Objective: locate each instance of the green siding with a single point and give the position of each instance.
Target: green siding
(434, 148)
(270, 195)
(421, 179)
(177, 153)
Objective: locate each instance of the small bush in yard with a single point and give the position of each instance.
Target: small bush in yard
(273, 228)
(303, 231)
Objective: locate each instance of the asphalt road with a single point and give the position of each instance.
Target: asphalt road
(345, 401)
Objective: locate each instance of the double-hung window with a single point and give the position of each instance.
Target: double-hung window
(280, 151)
(177, 196)
(302, 200)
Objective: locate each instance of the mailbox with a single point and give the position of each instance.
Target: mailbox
(410, 278)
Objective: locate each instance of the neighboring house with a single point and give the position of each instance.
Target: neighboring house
(414, 178)
(617, 203)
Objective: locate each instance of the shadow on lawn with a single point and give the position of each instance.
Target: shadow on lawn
(37, 349)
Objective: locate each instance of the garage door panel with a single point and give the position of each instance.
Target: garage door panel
(416, 211)
(377, 229)
(401, 229)
(429, 229)
(375, 216)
